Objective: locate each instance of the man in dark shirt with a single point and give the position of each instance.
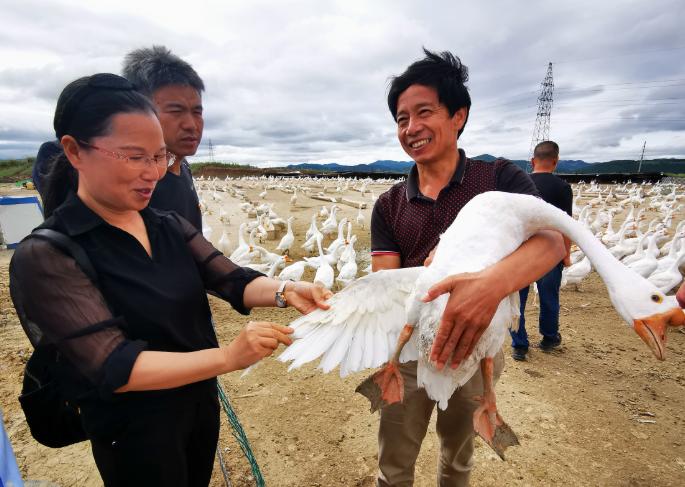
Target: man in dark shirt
(176, 90)
(430, 105)
(48, 151)
(557, 192)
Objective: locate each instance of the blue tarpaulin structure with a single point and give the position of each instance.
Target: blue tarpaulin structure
(18, 216)
(9, 472)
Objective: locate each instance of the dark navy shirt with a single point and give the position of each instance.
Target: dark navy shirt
(554, 190)
(177, 193)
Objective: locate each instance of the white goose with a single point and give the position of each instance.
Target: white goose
(575, 273)
(361, 219)
(252, 251)
(648, 263)
(288, 239)
(340, 239)
(312, 230)
(670, 277)
(331, 223)
(324, 274)
(293, 272)
(243, 247)
(366, 318)
(665, 262)
(224, 245)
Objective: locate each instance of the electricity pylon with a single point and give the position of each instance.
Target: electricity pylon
(542, 120)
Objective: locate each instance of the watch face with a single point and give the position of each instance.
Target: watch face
(280, 300)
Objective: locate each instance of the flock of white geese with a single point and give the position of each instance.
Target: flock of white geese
(631, 234)
(266, 241)
(641, 224)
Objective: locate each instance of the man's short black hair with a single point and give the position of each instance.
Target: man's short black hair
(443, 72)
(546, 151)
(150, 69)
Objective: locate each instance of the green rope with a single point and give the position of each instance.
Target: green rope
(240, 436)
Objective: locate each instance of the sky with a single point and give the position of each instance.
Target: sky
(306, 81)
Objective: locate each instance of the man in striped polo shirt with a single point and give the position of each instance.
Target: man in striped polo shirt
(430, 105)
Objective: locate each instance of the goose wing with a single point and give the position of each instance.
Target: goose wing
(360, 329)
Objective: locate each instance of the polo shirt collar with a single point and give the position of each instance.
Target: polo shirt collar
(77, 218)
(413, 177)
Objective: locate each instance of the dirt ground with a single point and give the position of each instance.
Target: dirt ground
(576, 411)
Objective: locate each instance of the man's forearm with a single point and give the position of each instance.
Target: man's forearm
(532, 260)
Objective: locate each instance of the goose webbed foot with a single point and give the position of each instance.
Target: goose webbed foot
(384, 387)
(487, 422)
(387, 385)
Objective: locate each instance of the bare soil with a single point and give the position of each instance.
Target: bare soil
(576, 411)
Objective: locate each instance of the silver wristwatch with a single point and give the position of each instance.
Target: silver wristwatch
(281, 302)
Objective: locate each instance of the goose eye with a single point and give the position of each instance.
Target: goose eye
(657, 298)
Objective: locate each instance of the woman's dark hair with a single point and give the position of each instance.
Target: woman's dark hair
(443, 72)
(84, 110)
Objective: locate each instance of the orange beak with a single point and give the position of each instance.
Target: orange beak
(652, 329)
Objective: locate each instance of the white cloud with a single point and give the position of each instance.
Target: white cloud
(306, 81)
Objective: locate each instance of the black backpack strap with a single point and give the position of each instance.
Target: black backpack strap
(69, 247)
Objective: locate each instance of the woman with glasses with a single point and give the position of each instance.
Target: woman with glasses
(146, 357)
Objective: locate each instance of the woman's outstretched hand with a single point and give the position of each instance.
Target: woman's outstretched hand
(257, 340)
(305, 297)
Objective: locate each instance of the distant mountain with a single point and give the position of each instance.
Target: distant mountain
(675, 166)
(565, 166)
(378, 166)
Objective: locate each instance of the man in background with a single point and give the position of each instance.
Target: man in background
(176, 90)
(557, 192)
(48, 150)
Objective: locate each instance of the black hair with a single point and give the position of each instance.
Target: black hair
(84, 110)
(443, 72)
(150, 69)
(546, 151)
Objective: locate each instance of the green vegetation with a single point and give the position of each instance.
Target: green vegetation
(13, 170)
(219, 165)
(651, 165)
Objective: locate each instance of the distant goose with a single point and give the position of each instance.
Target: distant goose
(288, 239)
(293, 272)
(324, 273)
(361, 219)
(224, 245)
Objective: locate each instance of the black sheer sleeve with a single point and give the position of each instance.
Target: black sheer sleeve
(221, 276)
(58, 304)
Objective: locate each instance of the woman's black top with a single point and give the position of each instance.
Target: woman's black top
(141, 302)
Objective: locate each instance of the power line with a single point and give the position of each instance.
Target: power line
(593, 88)
(633, 119)
(616, 103)
(676, 81)
(631, 53)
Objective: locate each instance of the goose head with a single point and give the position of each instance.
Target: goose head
(648, 310)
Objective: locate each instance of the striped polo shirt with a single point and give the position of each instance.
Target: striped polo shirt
(407, 223)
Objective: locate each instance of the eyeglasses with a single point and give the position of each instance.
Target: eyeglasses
(136, 160)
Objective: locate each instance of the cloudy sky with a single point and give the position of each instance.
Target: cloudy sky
(305, 81)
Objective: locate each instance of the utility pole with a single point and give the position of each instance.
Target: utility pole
(211, 151)
(642, 157)
(542, 120)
